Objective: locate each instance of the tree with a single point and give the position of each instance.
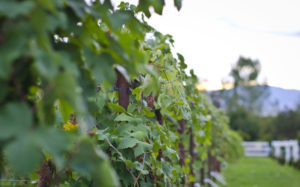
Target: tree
(245, 72)
(245, 103)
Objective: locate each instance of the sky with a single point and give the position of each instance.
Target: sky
(212, 34)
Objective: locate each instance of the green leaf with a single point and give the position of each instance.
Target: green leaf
(178, 4)
(79, 7)
(140, 168)
(66, 88)
(106, 176)
(141, 148)
(15, 118)
(101, 66)
(137, 92)
(4, 90)
(148, 113)
(54, 142)
(124, 117)
(23, 155)
(146, 184)
(167, 168)
(120, 17)
(116, 108)
(130, 164)
(13, 8)
(44, 63)
(150, 85)
(165, 101)
(66, 110)
(90, 162)
(181, 63)
(85, 159)
(140, 135)
(100, 101)
(127, 143)
(144, 6)
(102, 134)
(48, 4)
(11, 49)
(132, 129)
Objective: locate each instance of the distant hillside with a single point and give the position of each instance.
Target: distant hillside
(279, 99)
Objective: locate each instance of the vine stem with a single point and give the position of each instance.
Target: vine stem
(136, 182)
(132, 175)
(142, 96)
(191, 151)
(111, 145)
(18, 88)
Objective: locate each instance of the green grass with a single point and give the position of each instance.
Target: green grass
(260, 172)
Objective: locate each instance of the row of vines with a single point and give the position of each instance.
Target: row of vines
(91, 95)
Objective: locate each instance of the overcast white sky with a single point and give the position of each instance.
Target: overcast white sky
(212, 34)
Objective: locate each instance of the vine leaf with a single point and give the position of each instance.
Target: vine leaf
(137, 131)
(127, 143)
(13, 8)
(54, 142)
(144, 6)
(15, 118)
(116, 108)
(125, 117)
(26, 148)
(120, 17)
(178, 4)
(141, 148)
(13, 46)
(101, 66)
(90, 162)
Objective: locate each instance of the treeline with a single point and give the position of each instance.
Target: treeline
(285, 125)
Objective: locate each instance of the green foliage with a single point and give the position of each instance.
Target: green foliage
(285, 125)
(58, 65)
(246, 123)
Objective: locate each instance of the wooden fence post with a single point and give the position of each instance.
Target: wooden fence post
(202, 175)
(192, 148)
(123, 90)
(181, 130)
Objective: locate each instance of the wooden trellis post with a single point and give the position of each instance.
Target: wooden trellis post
(123, 90)
(191, 150)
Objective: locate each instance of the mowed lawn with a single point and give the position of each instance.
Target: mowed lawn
(260, 172)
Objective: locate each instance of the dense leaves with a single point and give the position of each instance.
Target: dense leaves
(61, 68)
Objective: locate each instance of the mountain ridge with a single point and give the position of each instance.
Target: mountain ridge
(278, 100)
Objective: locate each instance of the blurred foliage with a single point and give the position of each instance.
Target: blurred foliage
(285, 125)
(245, 123)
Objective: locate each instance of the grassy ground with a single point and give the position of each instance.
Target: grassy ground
(260, 172)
